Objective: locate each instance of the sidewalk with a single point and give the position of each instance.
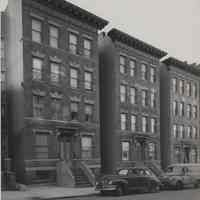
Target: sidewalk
(47, 192)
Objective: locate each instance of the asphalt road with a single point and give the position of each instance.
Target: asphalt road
(186, 194)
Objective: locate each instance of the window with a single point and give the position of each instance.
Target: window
(87, 48)
(55, 72)
(88, 80)
(181, 87)
(181, 110)
(153, 74)
(175, 131)
(133, 95)
(153, 125)
(175, 108)
(125, 151)
(36, 31)
(122, 93)
(41, 145)
(73, 43)
(144, 71)
(38, 105)
(152, 151)
(133, 122)
(56, 108)
(53, 36)
(132, 67)
(194, 90)
(188, 89)
(189, 131)
(153, 99)
(73, 78)
(86, 146)
(181, 131)
(144, 124)
(194, 132)
(177, 151)
(194, 112)
(37, 68)
(88, 112)
(194, 155)
(122, 61)
(188, 111)
(144, 98)
(123, 121)
(74, 110)
(174, 85)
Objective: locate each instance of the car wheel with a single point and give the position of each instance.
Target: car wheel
(179, 185)
(103, 192)
(119, 190)
(197, 184)
(154, 187)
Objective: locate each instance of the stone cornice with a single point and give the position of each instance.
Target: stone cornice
(182, 65)
(74, 11)
(120, 36)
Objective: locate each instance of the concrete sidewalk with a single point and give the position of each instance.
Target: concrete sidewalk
(47, 192)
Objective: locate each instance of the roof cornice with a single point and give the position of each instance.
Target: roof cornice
(182, 65)
(120, 36)
(75, 11)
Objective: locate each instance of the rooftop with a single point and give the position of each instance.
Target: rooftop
(76, 12)
(183, 65)
(118, 35)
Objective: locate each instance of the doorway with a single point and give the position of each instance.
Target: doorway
(65, 148)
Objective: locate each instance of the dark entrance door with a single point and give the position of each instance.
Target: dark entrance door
(65, 148)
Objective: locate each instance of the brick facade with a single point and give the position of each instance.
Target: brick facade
(180, 132)
(46, 130)
(140, 142)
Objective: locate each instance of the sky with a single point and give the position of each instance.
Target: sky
(171, 25)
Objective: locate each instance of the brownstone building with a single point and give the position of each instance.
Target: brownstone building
(129, 100)
(180, 136)
(53, 89)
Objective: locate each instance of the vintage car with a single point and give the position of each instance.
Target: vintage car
(178, 176)
(129, 179)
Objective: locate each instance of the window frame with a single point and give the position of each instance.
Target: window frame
(73, 47)
(88, 83)
(38, 32)
(74, 83)
(88, 50)
(52, 37)
(36, 72)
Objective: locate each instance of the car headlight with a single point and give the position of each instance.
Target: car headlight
(110, 182)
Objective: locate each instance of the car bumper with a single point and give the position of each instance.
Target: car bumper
(168, 184)
(105, 187)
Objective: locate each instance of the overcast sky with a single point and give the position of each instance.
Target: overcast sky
(172, 25)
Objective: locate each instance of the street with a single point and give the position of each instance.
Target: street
(187, 194)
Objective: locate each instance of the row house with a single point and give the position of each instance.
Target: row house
(129, 100)
(179, 93)
(53, 88)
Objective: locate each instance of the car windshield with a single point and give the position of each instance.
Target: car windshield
(123, 172)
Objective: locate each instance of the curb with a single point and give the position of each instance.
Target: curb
(63, 197)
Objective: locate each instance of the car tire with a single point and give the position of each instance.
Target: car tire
(119, 190)
(179, 185)
(153, 188)
(197, 184)
(103, 192)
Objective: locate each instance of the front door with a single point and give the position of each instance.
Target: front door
(65, 148)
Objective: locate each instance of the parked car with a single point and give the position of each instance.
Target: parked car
(129, 179)
(178, 176)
